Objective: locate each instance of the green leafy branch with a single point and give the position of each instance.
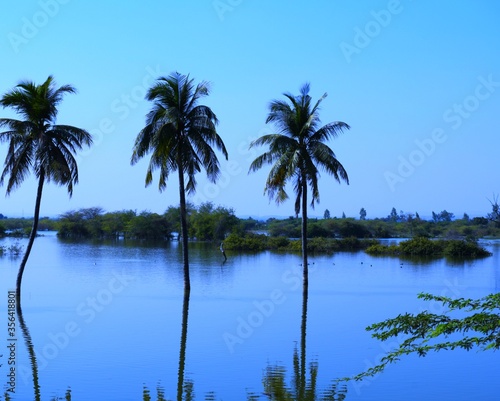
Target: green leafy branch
(480, 328)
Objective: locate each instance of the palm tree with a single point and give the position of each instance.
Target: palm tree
(180, 135)
(296, 152)
(37, 144)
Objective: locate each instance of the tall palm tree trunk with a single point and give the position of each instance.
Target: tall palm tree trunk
(184, 230)
(304, 232)
(32, 237)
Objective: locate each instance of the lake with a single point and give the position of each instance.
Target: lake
(108, 321)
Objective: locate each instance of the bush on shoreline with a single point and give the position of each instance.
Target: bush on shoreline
(421, 246)
(260, 242)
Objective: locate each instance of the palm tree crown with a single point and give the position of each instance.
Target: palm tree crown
(36, 142)
(297, 150)
(179, 133)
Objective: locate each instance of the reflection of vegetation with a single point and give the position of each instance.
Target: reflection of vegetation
(67, 396)
(12, 250)
(425, 247)
(276, 389)
(297, 152)
(188, 393)
(423, 331)
(160, 394)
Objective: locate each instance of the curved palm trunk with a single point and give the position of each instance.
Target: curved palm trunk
(31, 240)
(184, 230)
(304, 232)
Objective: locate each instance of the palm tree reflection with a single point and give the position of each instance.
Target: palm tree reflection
(187, 387)
(302, 389)
(184, 386)
(33, 361)
(31, 351)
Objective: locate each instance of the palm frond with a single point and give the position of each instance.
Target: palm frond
(75, 137)
(58, 165)
(17, 165)
(265, 158)
(325, 158)
(329, 131)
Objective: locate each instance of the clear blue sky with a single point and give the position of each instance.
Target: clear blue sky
(418, 81)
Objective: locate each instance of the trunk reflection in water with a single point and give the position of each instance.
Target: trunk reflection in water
(31, 351)
(184, 386)
(301, 389)
(33, 361)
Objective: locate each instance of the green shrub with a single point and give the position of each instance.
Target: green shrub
(426, 247)
(465, 249)
(248, 242)
(421, 246)
(278, 243)
(355, 244)
(379, 249)
(322, 245)
(296, 246)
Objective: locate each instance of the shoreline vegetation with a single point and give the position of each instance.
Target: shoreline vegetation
(207, 222)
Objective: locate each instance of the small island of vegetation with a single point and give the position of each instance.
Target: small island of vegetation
(422, 246)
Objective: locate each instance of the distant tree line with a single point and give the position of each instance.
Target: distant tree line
(20, 227)
(208, 222)
(395, 225)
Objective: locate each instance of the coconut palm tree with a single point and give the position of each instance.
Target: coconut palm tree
(37, 144)
(297, 151)
(180, 135)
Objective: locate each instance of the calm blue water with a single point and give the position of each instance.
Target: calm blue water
(105, 320)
